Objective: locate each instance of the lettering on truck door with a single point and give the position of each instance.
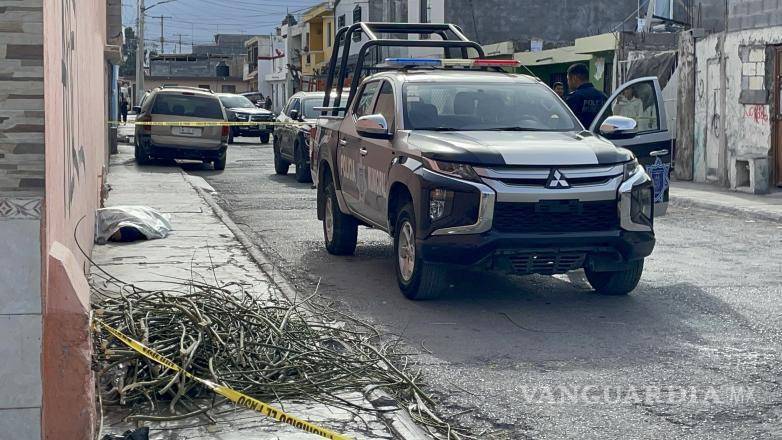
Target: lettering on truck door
(379, 153)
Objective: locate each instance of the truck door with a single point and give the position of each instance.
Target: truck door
(350, 150)
(376, 156)
(641, 99)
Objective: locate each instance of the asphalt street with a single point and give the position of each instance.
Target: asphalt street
(694, 352)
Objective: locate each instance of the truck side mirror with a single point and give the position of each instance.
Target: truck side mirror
(136, 109)
(618, 127)
(373, 126)
(294, 114)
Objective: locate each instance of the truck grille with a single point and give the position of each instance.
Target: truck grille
(254, 118)
(546, 263)
(556, 216)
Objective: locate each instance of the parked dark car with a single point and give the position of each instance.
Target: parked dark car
(292, 137)
(240, 109)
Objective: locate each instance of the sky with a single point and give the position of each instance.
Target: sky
(196, 21)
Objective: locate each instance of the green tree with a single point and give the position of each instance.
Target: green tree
(128, 67)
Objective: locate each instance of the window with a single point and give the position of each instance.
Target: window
(425, 13)
(204, 86)
(295, 105)
(187, 105)
(341, 21)
(356, 19)
(328, 34)
(228, 88)
(386, 105)
(237, 101)
(638, 102)
(475, 106)
(364, 103)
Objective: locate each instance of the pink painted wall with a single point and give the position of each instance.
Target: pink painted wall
(74, 40)
(75, 84)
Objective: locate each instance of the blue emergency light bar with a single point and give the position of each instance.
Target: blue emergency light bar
(452, 62)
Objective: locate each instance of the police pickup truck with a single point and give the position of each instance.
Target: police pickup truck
(464, 164)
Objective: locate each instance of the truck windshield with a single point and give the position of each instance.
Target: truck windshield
(236, 101)
(473, 106)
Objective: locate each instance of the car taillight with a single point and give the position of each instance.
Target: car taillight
(226, 129)
(146, 128)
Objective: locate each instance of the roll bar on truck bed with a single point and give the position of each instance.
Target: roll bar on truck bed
(450, 38)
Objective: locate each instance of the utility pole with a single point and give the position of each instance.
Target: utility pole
(162, 35)
(140, 55)
(179, 47)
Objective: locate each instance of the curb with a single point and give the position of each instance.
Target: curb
(399, 422)
(684, 201)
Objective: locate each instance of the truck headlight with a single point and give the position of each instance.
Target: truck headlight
(631, 169)
(453, 169)
(440, 202)
(641, 204)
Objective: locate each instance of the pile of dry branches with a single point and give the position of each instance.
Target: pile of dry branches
(268, 348)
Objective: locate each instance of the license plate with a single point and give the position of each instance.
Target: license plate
(186, 131)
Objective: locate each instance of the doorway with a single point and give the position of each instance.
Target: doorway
(776, 117)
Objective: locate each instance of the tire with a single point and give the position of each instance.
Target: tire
(265, 138)
(219, 163)
(616, 283)
(340, 231)
(280, 165)
(142, 158)
(302, 170)
(423, 280)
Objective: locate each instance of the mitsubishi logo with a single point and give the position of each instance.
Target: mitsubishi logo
(556, 180)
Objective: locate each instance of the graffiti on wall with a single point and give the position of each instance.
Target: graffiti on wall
(73, 153)
(756, 113)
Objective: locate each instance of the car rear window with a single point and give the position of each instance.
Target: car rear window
(187, 106)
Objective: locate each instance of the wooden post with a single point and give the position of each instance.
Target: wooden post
(685, 128)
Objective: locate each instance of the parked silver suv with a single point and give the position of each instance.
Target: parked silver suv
(182, 109)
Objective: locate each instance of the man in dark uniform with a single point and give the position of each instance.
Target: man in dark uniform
(585, 100)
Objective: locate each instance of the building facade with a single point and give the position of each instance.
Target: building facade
(737, 135)
(50, 186)
(199, 69)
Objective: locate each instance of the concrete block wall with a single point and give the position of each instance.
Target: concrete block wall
(754, 14)
(21, 194)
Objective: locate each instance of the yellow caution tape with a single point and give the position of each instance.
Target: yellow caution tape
(231, 394)
(208, 124)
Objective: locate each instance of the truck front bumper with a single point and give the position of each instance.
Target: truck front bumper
(538, 253)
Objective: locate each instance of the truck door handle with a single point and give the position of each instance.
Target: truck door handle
(343, 142)
(659, 153)
(363, 151)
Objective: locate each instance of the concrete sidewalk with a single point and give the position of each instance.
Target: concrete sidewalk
(199, 243)
(758, 207)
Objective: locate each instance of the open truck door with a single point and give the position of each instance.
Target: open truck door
(651, 141)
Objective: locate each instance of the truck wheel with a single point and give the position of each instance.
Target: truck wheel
(280, 165)
(142, 157)
(616, 283)
(417, 279)
(265, 138)
(339, 230)
(219, 163)
(302, 170)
